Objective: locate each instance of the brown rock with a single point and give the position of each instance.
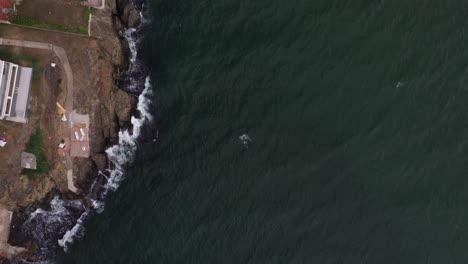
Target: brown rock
(84, 172)
(131, 16)
(124, 103)
(100, 159)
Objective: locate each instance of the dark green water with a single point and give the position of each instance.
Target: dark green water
(358, 114)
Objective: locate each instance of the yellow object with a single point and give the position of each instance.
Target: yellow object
(60, 109)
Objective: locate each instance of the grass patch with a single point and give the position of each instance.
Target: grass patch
(26, 21)
(7, 55)
(35, 147)
(87, 12)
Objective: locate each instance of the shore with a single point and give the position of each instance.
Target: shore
(96, 62)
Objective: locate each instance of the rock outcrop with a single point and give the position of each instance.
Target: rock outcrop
(131, 16)
(115, 107)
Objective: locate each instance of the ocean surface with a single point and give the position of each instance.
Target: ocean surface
(325, 131)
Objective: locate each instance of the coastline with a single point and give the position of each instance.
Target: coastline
(113, 129)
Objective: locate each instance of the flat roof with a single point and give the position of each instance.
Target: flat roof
(15, 84)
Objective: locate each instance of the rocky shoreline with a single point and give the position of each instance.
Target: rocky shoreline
(110, 109)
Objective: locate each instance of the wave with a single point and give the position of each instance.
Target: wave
(123, 153)
(46, 226)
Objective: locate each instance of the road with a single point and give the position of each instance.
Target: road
(62, 55)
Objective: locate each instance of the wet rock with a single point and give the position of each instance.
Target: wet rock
(131, 16)
(118, 25)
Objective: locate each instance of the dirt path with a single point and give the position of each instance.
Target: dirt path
(61, 54)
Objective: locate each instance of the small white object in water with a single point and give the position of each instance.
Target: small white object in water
(399, 84)
(245, 139)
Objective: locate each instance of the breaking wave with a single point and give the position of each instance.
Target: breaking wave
(123, 153)
(47, 226)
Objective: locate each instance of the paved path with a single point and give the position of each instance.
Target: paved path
(5, 221)
(62, 55)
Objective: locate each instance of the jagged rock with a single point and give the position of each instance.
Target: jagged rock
(103, 28)
(98, 129)
(84, 171)
(131, 16)
(124, 104)
(100, 159)
(118, 25)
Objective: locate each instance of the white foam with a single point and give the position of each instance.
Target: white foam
(76, 231)
(123, 153)
(97, 205)
(132, 43)
(245, 139)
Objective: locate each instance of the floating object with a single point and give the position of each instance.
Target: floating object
(77, 136)
(64, 118)
(2, 143)
(245, 139)
(62, 145)
(53, 64)
(82, 132)
(83, 148)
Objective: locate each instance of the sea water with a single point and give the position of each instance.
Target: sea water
(296, 132)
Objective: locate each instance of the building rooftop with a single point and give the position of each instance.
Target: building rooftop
(15, 84)
(28, 161)
(5, 9)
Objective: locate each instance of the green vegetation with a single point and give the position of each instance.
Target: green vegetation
(87, 12)
(35, 147)
(7, 55)
(26, 21)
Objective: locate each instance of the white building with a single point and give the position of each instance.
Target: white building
(15, 83)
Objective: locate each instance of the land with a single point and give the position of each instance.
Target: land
(51, 14)
(76, 69)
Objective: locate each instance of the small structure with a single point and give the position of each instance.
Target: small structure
(28, 161)
(15, 83)
(5, 10)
